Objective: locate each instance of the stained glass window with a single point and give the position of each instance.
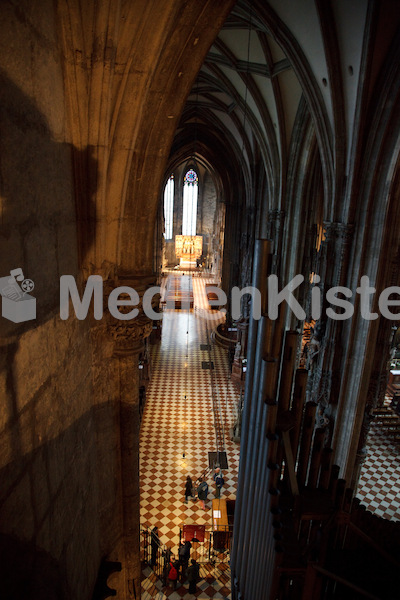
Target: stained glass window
(169, 208)
(190, 191)
(191, 177)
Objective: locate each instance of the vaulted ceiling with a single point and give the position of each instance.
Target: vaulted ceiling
(272, 66)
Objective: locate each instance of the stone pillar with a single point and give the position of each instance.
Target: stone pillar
(276, 220)
(333, 268)
(240, 352)
(325, 349)
(128, 339)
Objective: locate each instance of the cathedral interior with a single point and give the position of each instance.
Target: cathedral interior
(285, 117)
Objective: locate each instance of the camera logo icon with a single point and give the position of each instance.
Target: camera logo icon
(17, 304)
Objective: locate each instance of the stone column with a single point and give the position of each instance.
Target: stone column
(325, 362)
(333, 269)
(240, 352)
(276, 220)
(128, 338)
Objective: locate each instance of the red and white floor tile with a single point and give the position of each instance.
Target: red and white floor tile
(177, 432)
(214, 583)
(379, 485)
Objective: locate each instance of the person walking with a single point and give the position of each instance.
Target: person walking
(192, 575)
(202, 492)
(155, 544)
(219, 482)
(188, 488)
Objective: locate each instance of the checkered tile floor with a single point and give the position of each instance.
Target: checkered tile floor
(177, 433)
(379, 485)
(214, 583)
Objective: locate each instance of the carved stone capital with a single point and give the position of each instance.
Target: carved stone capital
(341, 231)
(275, 214)
(275, 220)
(335, 247)
(128, 336)
(344, 232)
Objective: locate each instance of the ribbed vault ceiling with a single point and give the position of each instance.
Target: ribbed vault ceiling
(244, 101)
(249, 90)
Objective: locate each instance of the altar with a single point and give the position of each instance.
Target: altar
(188, 248)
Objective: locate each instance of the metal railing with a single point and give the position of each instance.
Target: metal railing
(216, 546)
(205, 474)
(218, 421)
(155, 557)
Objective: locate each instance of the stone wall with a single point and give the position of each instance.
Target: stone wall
(208, 206)
(59, 465)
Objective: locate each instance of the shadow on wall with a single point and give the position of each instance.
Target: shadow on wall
(47, 209)
(47, 501)
(48, 433)
(28, 572)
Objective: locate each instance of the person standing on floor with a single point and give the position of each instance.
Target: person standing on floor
(219, 482)
(184, 556)
(155, 544)
(165, 573)
(167, 559)
(192, 575)
(181, 556)
(188, 489)
(202, 492)
(173, 572)
(167, 555)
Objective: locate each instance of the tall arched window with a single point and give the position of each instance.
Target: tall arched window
(169, 208)
(190, 190)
